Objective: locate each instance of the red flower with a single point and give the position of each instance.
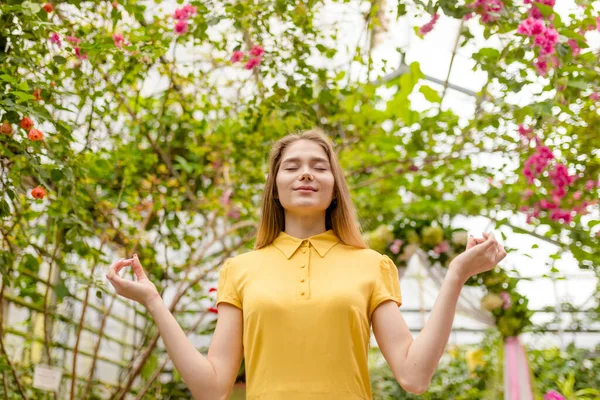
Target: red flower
(26, 123)
(213, 310)
(212, 289)
(118, 39)
(38, 193)
(72, 39)
(79, 54)
(37, 93)
(237, 56)
(257, 50)
(253, 62)
(6, 128)
(34, 135)
(54, 38)
(428, 27)
(181, 27)
(48, 8)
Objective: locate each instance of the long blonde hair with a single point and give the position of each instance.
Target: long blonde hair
(341, 214)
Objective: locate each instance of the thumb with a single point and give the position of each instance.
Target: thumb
(471, 241)
(138, 269)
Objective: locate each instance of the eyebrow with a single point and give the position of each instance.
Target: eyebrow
(296, 159)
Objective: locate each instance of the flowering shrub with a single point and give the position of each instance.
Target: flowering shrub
(126, 126)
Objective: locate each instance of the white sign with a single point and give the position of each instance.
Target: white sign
(46, 377)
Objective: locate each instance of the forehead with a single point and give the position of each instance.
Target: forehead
(303, 149)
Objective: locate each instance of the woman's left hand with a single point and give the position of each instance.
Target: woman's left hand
(481, 255)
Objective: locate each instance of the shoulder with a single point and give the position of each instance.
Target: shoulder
(365, 256)
(245, 260)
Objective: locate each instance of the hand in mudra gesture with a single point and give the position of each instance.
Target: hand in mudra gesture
(143, 290)
(481, 255)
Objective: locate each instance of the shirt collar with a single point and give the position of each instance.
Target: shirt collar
(322, 242)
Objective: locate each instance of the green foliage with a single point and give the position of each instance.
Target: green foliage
(129, 164)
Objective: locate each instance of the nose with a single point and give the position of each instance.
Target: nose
(306, 174)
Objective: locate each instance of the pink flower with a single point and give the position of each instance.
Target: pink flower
(234, 213)
(488, 9)
(595, 96)
(442, 247)
(574, 46)
(428, 27)
(527, 193)
(559, 177)
(257, 51)
(589, 185)
(505, 299)
(118, 39)
(553, 395)
(541, 66)
(468, 16)
(185, 12)
(525, 132)
(72, 39)
(546, 41)
(181, 27)
(531, 26)
(226, 197)
(237, 56)
(191, 10)
(536, 13)
(598, 23)
(180, 14)
(557, 215)
(536, 163)
(54, 38)
(547, 205)
(253, 62)
(577, 195)
(79, 54)
(396, 245)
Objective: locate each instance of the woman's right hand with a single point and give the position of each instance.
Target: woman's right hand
(143, 291)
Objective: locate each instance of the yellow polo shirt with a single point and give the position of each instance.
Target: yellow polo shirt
(307, 306)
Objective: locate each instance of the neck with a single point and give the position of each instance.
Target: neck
(303, 227)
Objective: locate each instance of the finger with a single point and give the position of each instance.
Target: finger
(118, 265)
(138, 269)
(116, 281)
(471, 241)
(501, 252)
(491, 241)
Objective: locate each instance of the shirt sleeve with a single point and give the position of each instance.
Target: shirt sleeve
(387, 286)
(226, 288)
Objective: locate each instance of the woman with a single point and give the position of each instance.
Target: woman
(300, 306)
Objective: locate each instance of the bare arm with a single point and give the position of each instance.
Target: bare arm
(208, 378)
(413, 361)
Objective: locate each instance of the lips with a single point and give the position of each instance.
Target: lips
(306, 188)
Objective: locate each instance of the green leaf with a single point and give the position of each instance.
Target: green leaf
(578, 84)
(60, 60)
(23, 96)
(544, 9)
(4, 208)
(8, 78)
(150, 366)
(430, 94)
(61, 290)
